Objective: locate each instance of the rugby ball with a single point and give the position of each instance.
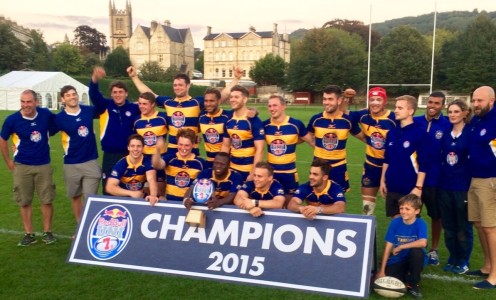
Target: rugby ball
(389, 287)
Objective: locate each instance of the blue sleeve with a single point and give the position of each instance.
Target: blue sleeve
(301, 128)
(237, 181)
(97, 98)
(355, 127)
(147, 162)
(52, 125)
(337, 192)
(7, 128)
(257, 129)
(390, 235)
(302, 192)
(277, 189)
(424, 157)
(161, 100)
(422, 230)
(310, 127)
(119, 169)
(248, 187)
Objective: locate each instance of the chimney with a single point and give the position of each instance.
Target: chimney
(209, 30)
(275, 28)
(252, 29)
(167, 23)
(153, 26)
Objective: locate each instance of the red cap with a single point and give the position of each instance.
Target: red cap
(378, 91)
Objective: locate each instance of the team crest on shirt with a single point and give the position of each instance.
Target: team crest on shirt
(127, 113)
(212, 135)
(83, 131)
(452, 158)
(377, 140)
(406, 144)
(150, 138)
(483, 132)
(134, 185)
(278, 147)
(182, 179)
(280, 192)
(330, 141)
(439, 134)
(236, 141)
(35, 136)
(178, 119)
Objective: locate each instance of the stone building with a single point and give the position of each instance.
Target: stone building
(160, 42)
(21, 33)
(223, 50)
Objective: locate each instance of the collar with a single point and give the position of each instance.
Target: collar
(324, 191)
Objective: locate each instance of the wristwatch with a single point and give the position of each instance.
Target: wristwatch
(319, 210)
(418, 187)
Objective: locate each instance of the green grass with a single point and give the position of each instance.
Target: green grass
(41, 272)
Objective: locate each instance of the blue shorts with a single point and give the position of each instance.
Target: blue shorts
(371, 176)
(288, 180)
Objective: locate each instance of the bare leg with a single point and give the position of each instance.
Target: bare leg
(77, 207)
(490, 235)
(486, 267)
(47, 213)
(26, 217)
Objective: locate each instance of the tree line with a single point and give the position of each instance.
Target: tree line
(335, 53)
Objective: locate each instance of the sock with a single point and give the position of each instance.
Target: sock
(368, 207)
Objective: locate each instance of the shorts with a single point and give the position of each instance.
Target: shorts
(482, 201)
(82, 178)
(392, 206)
(288, 180)
(29, 178)
(371, 176)
(160, 175)
(339, 174)
(431, 202)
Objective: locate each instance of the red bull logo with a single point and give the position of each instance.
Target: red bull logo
(377, 140)
(109, 232)
(178, 119)
(330, 141)
(278, 147)
(212, 136)
(182, 179)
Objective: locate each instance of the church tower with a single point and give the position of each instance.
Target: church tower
(121, 23)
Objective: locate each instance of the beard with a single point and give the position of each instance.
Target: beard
(483, 111)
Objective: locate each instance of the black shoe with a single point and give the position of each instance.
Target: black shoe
(27, 240)
(477, 273)
(414, 290)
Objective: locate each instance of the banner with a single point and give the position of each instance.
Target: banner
(331, 254)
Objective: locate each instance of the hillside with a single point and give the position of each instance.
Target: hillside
(453, 21)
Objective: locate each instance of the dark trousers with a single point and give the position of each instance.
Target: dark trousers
(410, 269)
(458, 235)
(108, 162)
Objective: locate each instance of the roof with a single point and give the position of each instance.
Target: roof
(176, 35)
(238, 35)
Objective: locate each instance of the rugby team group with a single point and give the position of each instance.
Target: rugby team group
(447, 163)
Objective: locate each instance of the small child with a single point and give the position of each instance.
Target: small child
(406, 239)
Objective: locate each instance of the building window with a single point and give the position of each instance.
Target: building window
(119, 24)
(251, 55)
(230, 43)
(38, 96)
(139, 46)
(210, 56)
(223, 43)
(216, 44)
(49, 100)
(216, 56)
(244, 73)
(217, 72)
(231, 56)
(160, 58)
(223, 56)
(257, 55)
(223, 72)
(230, 73)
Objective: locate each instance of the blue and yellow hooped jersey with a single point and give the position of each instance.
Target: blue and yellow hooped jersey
(243, 133)
(180, 174)
(212, 128)
(331, 194)
(375, 130)
(131, 176)
(150, 128)
(181, 114)
(281, 142)
(331, 135)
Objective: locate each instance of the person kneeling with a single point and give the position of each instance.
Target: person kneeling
(263, 192)
(130, 173)
(406, 240)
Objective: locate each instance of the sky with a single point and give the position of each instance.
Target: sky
(56, 18)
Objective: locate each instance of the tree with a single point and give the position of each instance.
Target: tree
(199, 61)
(90, 40)
(117, 63)
(403, 56)
(151, 71)
(170, 73)
(269, 70)
(66, 58)
(467, 61)
(13, 54)
(353, 26)
(39, 55)
(327, 56)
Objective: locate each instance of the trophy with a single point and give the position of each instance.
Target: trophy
(202, 191)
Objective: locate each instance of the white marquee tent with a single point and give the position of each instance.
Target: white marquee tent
(46, 84)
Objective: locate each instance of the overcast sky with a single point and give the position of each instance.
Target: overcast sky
(55, 18)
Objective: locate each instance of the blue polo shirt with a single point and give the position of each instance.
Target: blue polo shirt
(483, 145)
(435, 129)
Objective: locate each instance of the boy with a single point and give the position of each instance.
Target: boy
(406, 239)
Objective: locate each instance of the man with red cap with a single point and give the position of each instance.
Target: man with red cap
(375, 122)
